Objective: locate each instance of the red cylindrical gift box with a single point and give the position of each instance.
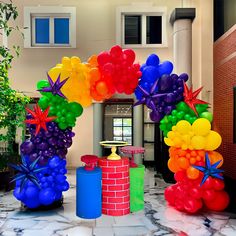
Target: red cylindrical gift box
(115, 186)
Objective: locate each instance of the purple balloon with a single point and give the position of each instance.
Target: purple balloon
(184, 77)
(42, 146)
(156, 116)
(62, 152)
(52, 141)
(165, 83)
(27, 147)
(168, 109)
(170, 98)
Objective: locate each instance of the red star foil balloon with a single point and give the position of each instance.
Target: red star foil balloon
(40, 118)
(190, 98)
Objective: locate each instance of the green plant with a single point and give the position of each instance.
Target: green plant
(12, 102)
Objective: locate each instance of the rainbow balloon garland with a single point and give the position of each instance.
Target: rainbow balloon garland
(184, 120)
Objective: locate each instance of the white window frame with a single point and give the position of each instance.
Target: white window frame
(142, 10)
(30, 13)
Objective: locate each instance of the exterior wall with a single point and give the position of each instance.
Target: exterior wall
(96, 22)
(224, 81)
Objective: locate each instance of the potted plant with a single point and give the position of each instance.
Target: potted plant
(12, 102)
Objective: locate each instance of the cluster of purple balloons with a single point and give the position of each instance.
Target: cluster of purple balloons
(158, 89)
(48, 143)
(170, 89)
(52, 181)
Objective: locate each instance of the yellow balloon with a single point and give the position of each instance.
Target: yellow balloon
(213, 141)
(168, 142)
(77, 87)
(177, 141)
(183, 127)
(198, 142)
(201, 126)
(171, 134)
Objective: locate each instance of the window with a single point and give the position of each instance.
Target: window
(138, 26)
(122, 129)
(49, 27)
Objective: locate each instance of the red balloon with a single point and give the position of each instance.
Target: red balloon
(219, 203)
(209, 183)
(179, 204)
(170, 194)
(195, 192)
(129, 56)
(103, 58)
(208, 194)
(219, 184)
(180, 176)
(192, 205)
(116, 51)
(108, 69)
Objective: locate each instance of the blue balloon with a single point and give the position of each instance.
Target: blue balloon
(54, 162)
(47, 196)
(165, 67)
(60, 178)
(18, 194)
(150, 74)
(153, 60)
(58, 195)
(32, 203)
(65, 186)
(31, 192)
(142, 67)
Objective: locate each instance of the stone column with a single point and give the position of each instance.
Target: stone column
(181, 19)
(138, 131)
(97, 128)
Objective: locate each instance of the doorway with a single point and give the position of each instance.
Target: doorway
(118, 121)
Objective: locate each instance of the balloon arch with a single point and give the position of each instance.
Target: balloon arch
(184, 120)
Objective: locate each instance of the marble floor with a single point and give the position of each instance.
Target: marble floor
(156, 219)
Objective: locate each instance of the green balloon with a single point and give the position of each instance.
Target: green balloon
(180, 115)
(62, 125)
(76, 108)
(201, 108)
(208, 115)
(43, 102)
(42, 84)
(182, 106)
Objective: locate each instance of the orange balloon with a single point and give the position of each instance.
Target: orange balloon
(192, 173)
(172, 165)
(183, 162)
(214, 157)
(93, 61)
(101, 88)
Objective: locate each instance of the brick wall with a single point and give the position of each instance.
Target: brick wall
(115, 186)
(224, 81)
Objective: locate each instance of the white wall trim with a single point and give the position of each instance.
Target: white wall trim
(28, 11)
(146, 9)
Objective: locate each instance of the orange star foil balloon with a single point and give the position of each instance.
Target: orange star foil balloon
(40, 118)
(190, 98)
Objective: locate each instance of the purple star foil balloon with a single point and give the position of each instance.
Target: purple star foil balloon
(55, 88)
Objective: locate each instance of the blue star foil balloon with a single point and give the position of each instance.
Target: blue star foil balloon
(209, 170)
(51, 182)
(27, 172)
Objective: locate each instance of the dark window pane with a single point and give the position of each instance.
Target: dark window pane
(154, 30)
(61, 30)
(42, 30)
(132, 29)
